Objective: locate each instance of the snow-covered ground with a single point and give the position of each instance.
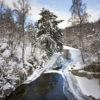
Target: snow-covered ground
(90, 87)
(12, 71)
(76, 59)
(77, 85)
(81, 85)
(48, 65)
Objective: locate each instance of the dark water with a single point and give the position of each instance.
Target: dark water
(46, 87)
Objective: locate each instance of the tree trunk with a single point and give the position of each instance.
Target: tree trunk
(98, 56)
(23, 41)
(81, 42)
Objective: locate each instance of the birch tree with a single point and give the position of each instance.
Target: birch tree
(23, 8)
(79, 17)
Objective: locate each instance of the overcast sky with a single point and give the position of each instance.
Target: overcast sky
(60, 8)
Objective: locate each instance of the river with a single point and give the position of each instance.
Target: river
(46, 87)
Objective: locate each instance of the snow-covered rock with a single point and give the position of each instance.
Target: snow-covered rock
(76, 58)
(1, 61)
(18, 52)
(12, 72)
(6, 53)
(4, 46)
(7, 86)
(75, 54)
(46, 66)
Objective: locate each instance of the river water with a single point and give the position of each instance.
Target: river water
(46, 87)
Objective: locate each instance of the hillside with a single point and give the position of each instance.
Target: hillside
(90, 37)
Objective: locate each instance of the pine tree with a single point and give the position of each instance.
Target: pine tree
(32, 36)
(49, 35)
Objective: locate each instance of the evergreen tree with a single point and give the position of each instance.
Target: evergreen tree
(49, 35)
(32, 36)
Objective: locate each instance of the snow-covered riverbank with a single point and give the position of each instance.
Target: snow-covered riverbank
(72, 83)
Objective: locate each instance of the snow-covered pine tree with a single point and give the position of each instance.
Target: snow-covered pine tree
(49, 35)
(32, 36)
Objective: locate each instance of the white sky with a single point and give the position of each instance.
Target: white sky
(36, 6)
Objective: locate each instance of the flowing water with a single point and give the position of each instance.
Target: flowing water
(46, 87)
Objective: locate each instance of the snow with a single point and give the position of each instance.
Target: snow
(7, 86)
(75, 54)
(80, 86)
(69, 48)
(54, 71)
(19, 52)
(1, 61)
(12, 63)
(13, 77)
(39, 54)
(77, 85)
(76, 58)
(82, 71)
(4, 46)
(28, 51)
(46, 67)
(28, 64)
(89, 87)
(11, 67)
(70, 84)
(6, 53)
